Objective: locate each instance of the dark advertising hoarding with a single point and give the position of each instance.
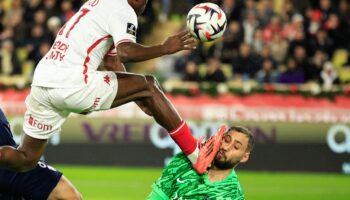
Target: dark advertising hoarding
(317, 147)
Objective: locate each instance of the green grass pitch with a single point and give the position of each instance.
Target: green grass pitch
(107, 183)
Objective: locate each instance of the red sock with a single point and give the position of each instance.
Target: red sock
(183, 137)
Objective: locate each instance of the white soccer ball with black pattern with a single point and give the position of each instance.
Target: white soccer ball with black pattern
(206, 21)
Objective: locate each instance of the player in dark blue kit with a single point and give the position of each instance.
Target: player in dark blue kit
(43, 182)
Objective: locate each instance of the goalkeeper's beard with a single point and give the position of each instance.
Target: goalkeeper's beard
(224, 164)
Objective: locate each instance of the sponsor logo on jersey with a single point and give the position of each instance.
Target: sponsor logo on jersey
(106, 79)
(131, 29)
(35, 123)
(93, 107)
(180, 181)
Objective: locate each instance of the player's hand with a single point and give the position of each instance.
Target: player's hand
(179, 42)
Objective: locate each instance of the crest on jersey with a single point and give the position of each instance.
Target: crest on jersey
(131, 29)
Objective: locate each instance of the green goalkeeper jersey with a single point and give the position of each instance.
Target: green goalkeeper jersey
(180, 181)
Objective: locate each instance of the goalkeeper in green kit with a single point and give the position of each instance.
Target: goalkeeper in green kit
(180, 181)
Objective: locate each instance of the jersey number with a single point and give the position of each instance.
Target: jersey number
(83, 12)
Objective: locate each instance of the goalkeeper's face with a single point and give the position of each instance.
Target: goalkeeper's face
(233, 150)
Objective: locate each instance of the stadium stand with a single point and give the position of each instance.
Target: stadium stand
(267, 41)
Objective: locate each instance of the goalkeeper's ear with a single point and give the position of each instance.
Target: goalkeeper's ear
(245, 157)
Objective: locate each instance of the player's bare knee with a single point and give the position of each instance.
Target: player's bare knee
(150, 79)
(152, 84)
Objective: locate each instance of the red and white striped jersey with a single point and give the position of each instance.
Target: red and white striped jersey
(94, 31)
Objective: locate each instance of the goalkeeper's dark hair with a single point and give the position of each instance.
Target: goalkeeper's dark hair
(247, 132)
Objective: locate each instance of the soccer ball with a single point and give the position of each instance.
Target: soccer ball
(206, 21)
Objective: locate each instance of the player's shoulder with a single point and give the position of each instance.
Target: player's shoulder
(180, 156)
(179, 161)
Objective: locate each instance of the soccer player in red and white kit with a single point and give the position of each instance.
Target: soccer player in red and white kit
(66, 80)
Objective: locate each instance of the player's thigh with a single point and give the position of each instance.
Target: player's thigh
(132, 87)
(64, 190)
(130, 83)
(108, 89)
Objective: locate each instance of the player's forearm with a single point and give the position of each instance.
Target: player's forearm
(133, 52)
(15, 159)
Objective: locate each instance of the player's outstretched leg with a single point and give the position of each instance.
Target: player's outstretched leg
(146, 90)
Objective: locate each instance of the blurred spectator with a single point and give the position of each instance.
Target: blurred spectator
(32, 7)
(16, 9)
(214, 71)
(288, 11)
(267, 74)
(41, 52)
(293, 74)
(301, 58)
(37, 37)
(50, 7)
(314, 21)
(265, 54)
(191, 72)
(182, 60)
(249, 7)
(227, 48)
(272, 28)
(266, 12)
(250, 24)
(2, 15)
(294, 29)
(278, 48)
(165, 10)
(17, 25)
(245, 64)
(321, 42)
(232, 9)
(67, 10)
(326, 9)
(40, 18)
(344, 11)
(329, 76)
(257, 41)
(9, 62)
(344, 17)
(299, 40)
(313, 73)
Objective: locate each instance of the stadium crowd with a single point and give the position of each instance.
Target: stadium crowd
(289, 41)
(275, 42)
(28, 28)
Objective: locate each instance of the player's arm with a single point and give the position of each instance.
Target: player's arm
(134, 52)
(25, 157)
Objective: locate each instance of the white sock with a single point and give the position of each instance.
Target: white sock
(193, 157)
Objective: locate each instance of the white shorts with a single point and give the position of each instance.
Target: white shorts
(47, 108)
